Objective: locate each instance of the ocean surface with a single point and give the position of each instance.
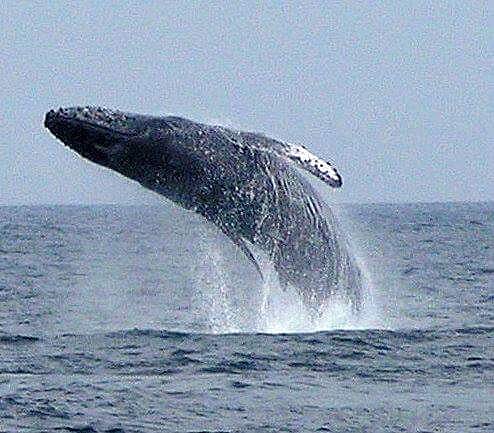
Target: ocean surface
(146, 319)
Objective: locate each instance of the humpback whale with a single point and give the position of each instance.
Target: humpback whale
(252, 187)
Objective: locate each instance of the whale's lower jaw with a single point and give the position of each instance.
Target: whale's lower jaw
(247, 184)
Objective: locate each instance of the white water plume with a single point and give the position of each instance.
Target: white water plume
(266, 307)
(216, 294)
(284, 311)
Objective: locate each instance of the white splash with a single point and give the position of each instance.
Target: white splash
(284, 311)
(216, 297)
(268, 308)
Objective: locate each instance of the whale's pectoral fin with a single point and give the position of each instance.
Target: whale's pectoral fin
(311, 163)
(242, 245)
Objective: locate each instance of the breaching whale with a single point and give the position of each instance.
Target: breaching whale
(250, 186)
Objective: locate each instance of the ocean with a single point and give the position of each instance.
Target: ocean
(146, 319)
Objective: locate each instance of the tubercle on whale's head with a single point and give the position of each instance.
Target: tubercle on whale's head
(115, 120)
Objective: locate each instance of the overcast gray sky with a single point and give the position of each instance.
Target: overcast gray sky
(397, 94)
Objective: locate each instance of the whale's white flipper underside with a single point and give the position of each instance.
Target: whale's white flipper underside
(313, 164)
(300, 155)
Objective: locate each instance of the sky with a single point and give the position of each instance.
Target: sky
(398, 95)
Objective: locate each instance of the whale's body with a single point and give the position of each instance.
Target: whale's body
(247, 184)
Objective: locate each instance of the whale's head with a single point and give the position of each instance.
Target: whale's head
(132, 144)
(155, 151)
(96, 133)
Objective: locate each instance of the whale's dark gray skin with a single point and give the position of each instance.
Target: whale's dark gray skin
(248, 185)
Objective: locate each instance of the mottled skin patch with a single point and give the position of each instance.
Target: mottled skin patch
(245, 183)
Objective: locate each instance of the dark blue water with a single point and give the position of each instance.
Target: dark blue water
(144, 319)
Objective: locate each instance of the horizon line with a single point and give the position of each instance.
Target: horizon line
(345, 203)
